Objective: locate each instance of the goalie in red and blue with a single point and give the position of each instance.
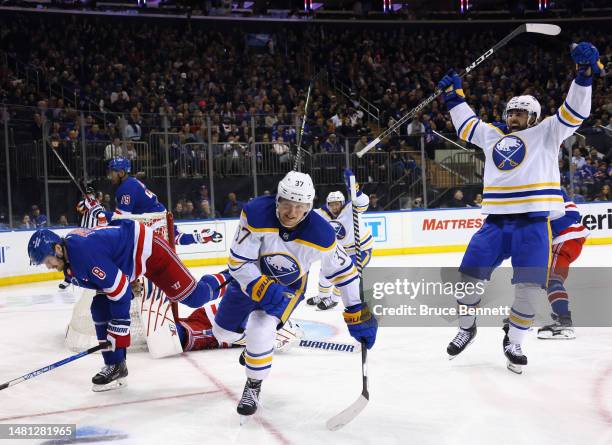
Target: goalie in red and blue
(134, 198)
(521, 190)
(109, 259)
(277, 240)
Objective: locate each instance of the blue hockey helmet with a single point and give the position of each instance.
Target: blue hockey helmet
(117, 164)
(41, 245)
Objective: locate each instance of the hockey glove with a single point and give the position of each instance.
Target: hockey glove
(347, 179)
(272, 297)
(361, 325)
(206, 236)
(118, 334)
(586, 55)
(451, 86)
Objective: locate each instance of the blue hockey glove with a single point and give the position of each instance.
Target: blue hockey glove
(361, 325)
(271, 296)
(347, 179)
(453, 92)
(585, 54)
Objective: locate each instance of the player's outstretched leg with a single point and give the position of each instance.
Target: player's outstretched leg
(514, 353)
(561, 329)
(110, 377)
(461, 341)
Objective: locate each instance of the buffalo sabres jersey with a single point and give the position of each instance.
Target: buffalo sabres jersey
(343, 224)
(566, 225)
(262, 246)
(521, 172)
(108, 258)
(133, 196)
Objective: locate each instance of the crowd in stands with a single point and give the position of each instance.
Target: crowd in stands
(134, 77)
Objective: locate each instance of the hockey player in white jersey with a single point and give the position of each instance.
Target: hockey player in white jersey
(277, 241)
(521, 188)
(340, 215)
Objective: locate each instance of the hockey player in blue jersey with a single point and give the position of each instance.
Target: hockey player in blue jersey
(109, 259)
(277, 241)
(521, 189)
(133, 197)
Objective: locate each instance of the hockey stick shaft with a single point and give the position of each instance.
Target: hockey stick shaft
(59, 158)
(298, 154)
(52, 366)
(526, 27)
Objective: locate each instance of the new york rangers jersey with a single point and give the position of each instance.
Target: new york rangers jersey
(108, 258)
(262, 246)
(133, 196)
(521, 172)
(566, 225)
(343, 224)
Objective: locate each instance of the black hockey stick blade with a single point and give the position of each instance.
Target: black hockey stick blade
(348, 414)
(543, 28)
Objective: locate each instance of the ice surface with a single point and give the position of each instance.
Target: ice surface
(417, 395)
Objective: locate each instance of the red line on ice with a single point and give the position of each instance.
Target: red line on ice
(109, 405)
(234, 397)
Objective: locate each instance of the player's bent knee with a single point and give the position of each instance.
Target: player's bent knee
(225, 336)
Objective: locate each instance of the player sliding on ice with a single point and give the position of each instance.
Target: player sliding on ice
(108, 259)
(340, 215)
(521, 189)
(276, 242)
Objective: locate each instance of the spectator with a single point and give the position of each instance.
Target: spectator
(417, 203)
(477, 202)
(188, 210)
(130, 153)
(107, 203)
(374, 205)
(605, 194)
(577, 158)
(26, 223)
(233, 207)
(178, 210)
(361, 143)
(113, 150)
(38, 219)
(457, 200)
(281, 150)
(63, 221)
(331, 145)
(205, 211)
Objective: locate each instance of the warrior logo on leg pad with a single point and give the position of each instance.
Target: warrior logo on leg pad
(283, 267)
(509, 152)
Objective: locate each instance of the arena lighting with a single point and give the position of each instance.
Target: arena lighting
(464, 5)
(542, 5)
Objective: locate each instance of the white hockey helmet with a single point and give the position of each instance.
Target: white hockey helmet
(336, 196)
(525, 103)
(296, 187)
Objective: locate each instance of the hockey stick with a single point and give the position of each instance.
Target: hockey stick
(59, 158)
(300, 150)
(329, 346)
(52, 366)
(537, 28)
(348, 414)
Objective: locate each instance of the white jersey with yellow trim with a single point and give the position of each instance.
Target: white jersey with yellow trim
(521, 169)
(343, 224)
(262, 246)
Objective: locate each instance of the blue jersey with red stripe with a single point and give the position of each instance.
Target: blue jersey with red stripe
(133, 196)
(108, 258)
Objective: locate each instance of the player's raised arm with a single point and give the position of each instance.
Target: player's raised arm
(577, 105)
(468, 125)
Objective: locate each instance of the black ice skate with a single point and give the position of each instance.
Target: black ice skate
(327, 303)
(313, 301)
(461, 341)
(250, 399)
(110, 377)
(561, 329)
(514, 353)
(64, 285)
(241, 359)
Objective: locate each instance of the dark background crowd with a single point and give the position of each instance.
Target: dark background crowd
(224, 87)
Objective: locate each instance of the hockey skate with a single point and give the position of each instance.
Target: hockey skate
(561, 329)
(64, 285)
(326, 303)
(313, 301)
(250, 399)
(110, 377)
(514, 354)
(461, 341)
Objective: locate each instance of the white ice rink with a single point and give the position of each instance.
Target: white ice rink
(418, 396)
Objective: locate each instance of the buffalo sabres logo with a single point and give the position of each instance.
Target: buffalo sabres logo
(509, 152)
(280, 266)
(339, 229)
